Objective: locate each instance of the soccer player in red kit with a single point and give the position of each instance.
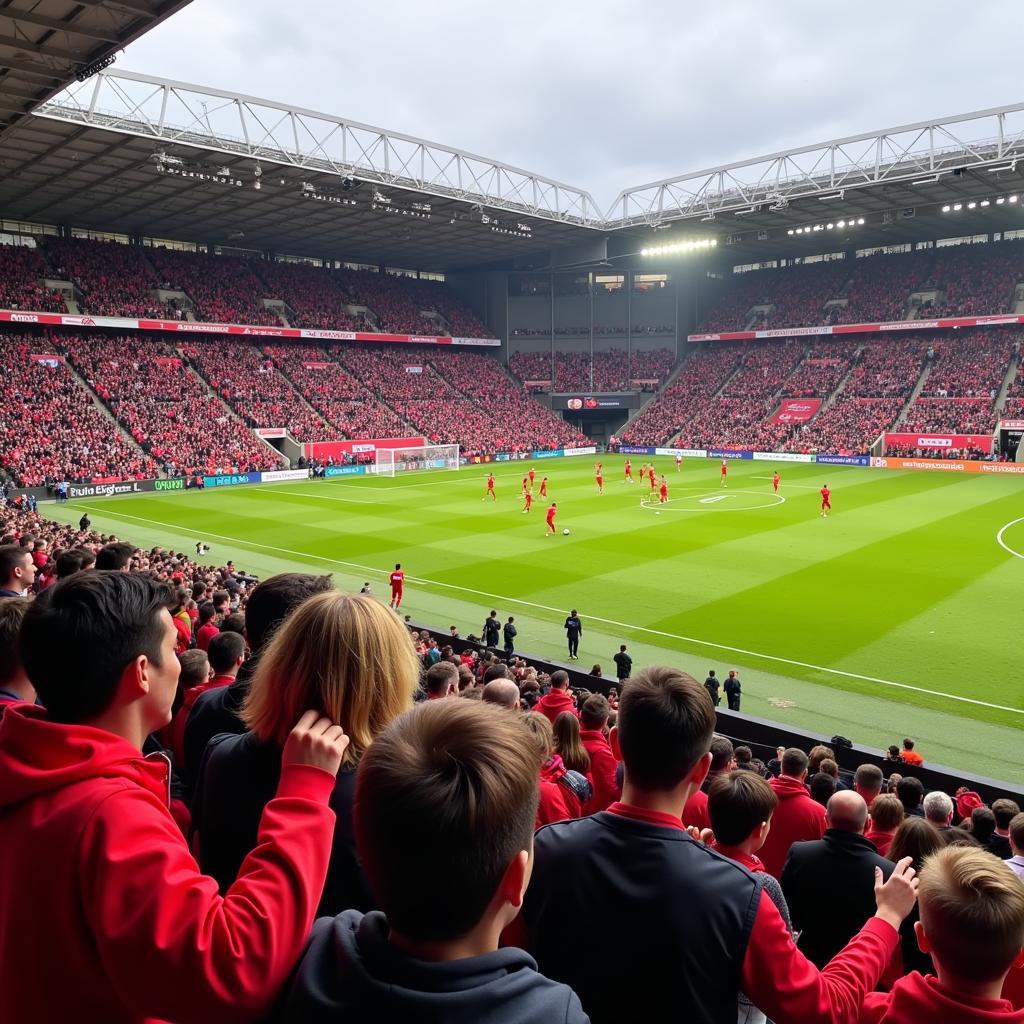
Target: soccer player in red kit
(599, 476)
(490, 488)
(531, 475)
(529, 501)
(725, 473)
(650, 476)
(397, 580)
(629, 471)
(544, 487)
(663, 492)
(826, 501)
(775, 482)
(526, 484)
(552, 509)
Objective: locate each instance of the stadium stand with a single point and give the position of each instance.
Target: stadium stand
(22, 270)
(613, 370)
(315, 296)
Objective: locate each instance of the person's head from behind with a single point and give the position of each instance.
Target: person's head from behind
(502, 692)
(868, 782)
(12, 673)
(972, 916)
(794, 763)
(740, 805)
(442, 680)
(17, 570)
(568, 745)
(743, 755)
(910, 791)
(445, 804)
(234, 623)
(594, 713)
(1017, 835)
(1005, 811)
(847, 812)
(723, 757)
(496, 671)
(540, 735)
(343, 655)
(938, 808)
(116, 557)
(559, 680)
(273, 600)
(908, 743)
(664, 729)
(887, 813)
(207, 613)
(99, 649)
(983, 823)
(821, 786)
(226, 652)
(816, 755)
(195, 668)
(916, 839)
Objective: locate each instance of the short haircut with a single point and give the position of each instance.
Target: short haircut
(220, 597)
(886, 812)
(737, 803)
(560, 679)
(816, 755)
(234, 623)
(541, 735)
(665, 724)
(595, 711)
(869, 778)
(502, 692)
(206, 611)
(1005, 811)
(224, 650)
(1017, 831)
(435, 782)
(116, 556)
(972, 910)
(492, 672)
(442, 676)
(938, 807)
(273, 600)
(12, 613)
(743, 754)
(910, 790)
(908, 743)
(12, 556)
(721, 753)
(82, 633)
(983, 823)
(345, 655)
(821, 786)
(195, 668)
(794, 762)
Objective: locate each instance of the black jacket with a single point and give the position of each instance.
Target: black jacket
(711, 684)
(492, 632)
(351, 974)
(573, 626)
(623, 665)
(829, 884)
(239, 778)
(510, 632)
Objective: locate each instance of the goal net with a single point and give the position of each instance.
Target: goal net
(411, 460)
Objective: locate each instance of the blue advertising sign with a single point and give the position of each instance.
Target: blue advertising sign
(231, 479)
(344, 470)
(844, 460)
(729, 453)
(629, 449)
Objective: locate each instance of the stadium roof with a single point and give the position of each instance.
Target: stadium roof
(45, 44)
(146, 156)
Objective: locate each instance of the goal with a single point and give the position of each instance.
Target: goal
(390, 461)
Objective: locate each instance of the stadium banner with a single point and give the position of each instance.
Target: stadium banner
(175, 483)
(992, 320)
(589, 403)
(231, 479)
(120, 323)
(318, 366)
(687, 453)
(632, 449)
(796, 410)
(591, 450)
(843, 460)
(324, 450)
(271, 431)
(782, 457)
(941, 441)
(949, 465)
(511, 456)
(168, 362)
(50, 359)
(729, 453)
(414, 369)
(108, 490)
(548, 455)
(543, 384)
(1011, 424)
(277, 475)
(345, 471)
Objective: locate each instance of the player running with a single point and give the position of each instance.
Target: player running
(775, 481)
(826, 502)
(629, 472)
(650, 477)
(490, 488)
(599, 477)
(550, 518)
(529, 501)
(725, 473)
(544, 487)
(679, 463)
(643, 472)
(663, 492)
(531, 475)
(397, 581)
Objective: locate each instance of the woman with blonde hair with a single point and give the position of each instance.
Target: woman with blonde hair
(568, 744)
(347, 656)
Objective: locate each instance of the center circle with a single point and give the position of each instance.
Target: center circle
(719, 500)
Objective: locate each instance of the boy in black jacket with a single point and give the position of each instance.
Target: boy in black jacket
(444, 811)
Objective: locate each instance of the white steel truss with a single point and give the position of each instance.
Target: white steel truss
(920, 154)
(175, 112)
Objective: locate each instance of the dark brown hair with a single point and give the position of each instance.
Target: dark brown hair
(737, 803)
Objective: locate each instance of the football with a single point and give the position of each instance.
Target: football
(565, 533)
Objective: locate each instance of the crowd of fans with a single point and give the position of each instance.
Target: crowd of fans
(613, 370)
(977, 279)
(312, 756)
(22, 272)
(113, 279)
(313, 295)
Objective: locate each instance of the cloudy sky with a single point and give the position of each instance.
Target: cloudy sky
(602, 95)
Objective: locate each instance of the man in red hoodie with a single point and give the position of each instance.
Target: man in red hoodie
(604, 765)
(557, 699)
(97, 878)
(797, 817)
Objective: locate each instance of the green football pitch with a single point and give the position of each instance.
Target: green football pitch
(898, 615)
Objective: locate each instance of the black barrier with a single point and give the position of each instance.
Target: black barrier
(766, 734)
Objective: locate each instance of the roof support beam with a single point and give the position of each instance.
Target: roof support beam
(57, 25)
(43, 49)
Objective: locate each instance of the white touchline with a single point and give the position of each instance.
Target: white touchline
(560, 611)
(1002, 543)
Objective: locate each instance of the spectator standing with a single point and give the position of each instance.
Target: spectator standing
(999, 842)
(911, 794)
(14, 683)
(604, 765)
(623, 664)
(886, 816)
(492, 630)
(563, 793)
(1016, 862)
(829, 883)
(502, 692)
(910, 755)
(938, 810)
(733, 691)
(797, 818)
(208, 629)
(509, 633)
(711, 684)
(573, 632)
(557, 699)
(867, 781)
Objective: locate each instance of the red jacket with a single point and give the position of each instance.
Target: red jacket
(916, 998)
(98, 879)
(205, 634)
(557, 801)
(603, 770)
(881, 840)
(553, 703)
(797, 817)
(695, 812)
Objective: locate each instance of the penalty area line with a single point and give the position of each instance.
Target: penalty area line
(177, 527)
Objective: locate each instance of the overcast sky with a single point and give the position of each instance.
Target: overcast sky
(602, 95)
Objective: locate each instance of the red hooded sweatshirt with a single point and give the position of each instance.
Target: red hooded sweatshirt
(796, 818)
(104, 914)
(557, 801)
(916, 998)
(553, 703)
(603, 769)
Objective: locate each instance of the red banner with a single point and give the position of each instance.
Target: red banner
(939, 442)
(796, 410)
(951, 466)
(317, 366)
(325, 450)
(168, 361)
(1012, 424)
(46, 358)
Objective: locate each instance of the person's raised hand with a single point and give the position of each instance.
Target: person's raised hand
(895, 898)
(316, 741)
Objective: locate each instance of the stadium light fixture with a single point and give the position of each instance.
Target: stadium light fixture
(1011, 199)
(984, 202)
(1000, 200)
(675, 248)
(971, 205)
(860, 221)
(957, 207)
(830, 226)
(946, 208)
(790, 231)
(840, 223)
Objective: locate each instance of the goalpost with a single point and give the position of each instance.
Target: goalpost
(390, 461)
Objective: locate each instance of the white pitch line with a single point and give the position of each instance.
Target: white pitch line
(810, 487)
(1002, 543)
(560, 611)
